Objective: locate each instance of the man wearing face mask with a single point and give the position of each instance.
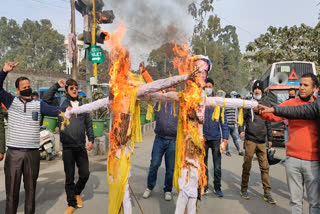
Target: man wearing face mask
(73, 139)
(212, 130)
(255, 130)
(23, 139)
(302, 161)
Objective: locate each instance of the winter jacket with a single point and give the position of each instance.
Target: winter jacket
(24, 118)
(73, 135)
(212, 129)
(166, 122)
(304, 112)
(303, 136)
(2, 132)
(256, 130)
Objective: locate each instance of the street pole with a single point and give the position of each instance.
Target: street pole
(93, 35)
(75, 50)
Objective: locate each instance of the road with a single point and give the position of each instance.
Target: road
(51, 198)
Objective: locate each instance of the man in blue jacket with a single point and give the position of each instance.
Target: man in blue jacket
(164, 145)
(23, 140)
(212, 132)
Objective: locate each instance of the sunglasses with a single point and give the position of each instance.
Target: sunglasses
(73, 88)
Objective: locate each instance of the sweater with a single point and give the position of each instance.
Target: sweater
(303, 136)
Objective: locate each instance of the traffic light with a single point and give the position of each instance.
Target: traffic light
(105, 17)
(101, 36)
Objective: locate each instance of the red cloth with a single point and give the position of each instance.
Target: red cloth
(303, 134)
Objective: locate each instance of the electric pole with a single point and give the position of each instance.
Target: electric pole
(74, 40)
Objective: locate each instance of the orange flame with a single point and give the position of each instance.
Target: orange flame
(190, 101)
(120, 75)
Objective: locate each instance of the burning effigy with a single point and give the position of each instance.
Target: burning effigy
(124, 97)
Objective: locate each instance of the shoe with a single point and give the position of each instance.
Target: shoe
(241, 153)
(245, 195)
(268, 198)
(206, 190)
(79, 201)
(70, 210)
(219, 193)
(146, 193)
(167, 196)
(228, 153)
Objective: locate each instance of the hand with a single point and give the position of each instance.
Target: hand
(242, 134)
(141, 67)
(89, 146)
(1, 156)
(223, 145)
(10, 66)
(269, 144)
(265, 109)
(62, 83)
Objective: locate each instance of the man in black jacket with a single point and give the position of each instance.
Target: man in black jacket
(73, 139)
(256, 131)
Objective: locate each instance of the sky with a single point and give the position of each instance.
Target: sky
(151, 22)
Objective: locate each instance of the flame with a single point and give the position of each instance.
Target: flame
(120, 75)
(191, 98)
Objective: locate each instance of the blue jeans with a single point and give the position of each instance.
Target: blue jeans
(167, 148)
(216, 156)
(303, 174)
(234, 134)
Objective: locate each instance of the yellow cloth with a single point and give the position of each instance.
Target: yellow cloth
(216, 113)
(240, 117)
(159, 105)
(118, 168)
(149, 110)
(222, 113)
(174, 109)
(118, 180)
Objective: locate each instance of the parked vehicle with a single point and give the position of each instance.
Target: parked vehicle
(47, 142)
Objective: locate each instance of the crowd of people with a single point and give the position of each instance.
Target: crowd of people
(299, 113)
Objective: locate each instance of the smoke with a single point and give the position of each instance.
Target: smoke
(150, 23)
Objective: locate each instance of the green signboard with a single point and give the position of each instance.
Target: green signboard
(96, 54)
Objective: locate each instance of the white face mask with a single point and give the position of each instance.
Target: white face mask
(257, 97)
(208, 91)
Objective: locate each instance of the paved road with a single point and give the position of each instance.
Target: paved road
(51, 197)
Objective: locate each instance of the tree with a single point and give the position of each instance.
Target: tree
(35, 45)
(286, 44)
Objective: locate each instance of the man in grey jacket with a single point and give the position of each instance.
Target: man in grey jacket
(164, 145)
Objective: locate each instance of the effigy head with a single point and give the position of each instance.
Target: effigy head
(204, 65)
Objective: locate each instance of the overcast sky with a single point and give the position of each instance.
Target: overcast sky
(151, 22)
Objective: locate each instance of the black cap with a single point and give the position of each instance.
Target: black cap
(257, 84)
(210, 80)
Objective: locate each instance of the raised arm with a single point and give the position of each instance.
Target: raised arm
(87, 108)
(160, 84)
(5, 97)
(230, 102)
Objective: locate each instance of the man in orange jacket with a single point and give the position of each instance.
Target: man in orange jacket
(302, 161)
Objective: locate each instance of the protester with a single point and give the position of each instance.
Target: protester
(292, 95)
(164, 145)
(232, 115)
(73, 139)
(212, 133)
(35, 95)
(302, 161)
(255, 133)
(23, 157)
(2, 135)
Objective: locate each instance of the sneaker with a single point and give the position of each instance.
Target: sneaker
(228, 153)
(241, 153)
(70, 210)
(219, 193)
(79, 201)
(268, 198)
(146, 193)
(245, 195)
(206, 190)
(167, 196)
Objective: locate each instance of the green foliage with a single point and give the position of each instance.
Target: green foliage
(35, 44)
(286, 44)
